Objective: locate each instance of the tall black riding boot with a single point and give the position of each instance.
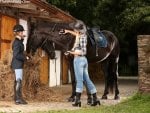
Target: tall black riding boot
(77, 101)
(15, 90)
(95, 100)
(18, 93)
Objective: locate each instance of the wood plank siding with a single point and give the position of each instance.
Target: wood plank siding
(6, 33)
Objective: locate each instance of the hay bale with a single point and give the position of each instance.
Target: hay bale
(6, 77)
(31, 80)
(32, 89)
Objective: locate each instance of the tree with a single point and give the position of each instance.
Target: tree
(125, 18)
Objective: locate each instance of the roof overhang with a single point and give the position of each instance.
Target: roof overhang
(39, 9)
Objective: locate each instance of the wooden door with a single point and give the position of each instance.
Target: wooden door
(6, 33)
(65, 75)
(44, 68)
(55, 70)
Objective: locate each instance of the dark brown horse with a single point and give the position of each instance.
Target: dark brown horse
(107, 56)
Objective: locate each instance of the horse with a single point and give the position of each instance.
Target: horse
(47, 46)
(107, 56)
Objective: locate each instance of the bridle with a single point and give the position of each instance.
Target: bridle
(46, 39)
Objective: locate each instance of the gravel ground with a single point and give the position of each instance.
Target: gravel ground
(127, 88)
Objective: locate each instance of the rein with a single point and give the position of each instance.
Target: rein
(47, 37)
(54, 40)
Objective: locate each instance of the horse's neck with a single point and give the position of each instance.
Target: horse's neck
(64, 46)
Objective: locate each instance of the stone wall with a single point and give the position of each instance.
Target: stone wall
(144, 63)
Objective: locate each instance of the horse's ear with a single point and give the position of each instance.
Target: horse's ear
(32, 24)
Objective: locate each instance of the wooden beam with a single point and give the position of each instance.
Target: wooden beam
(39, 8)
(9, 11)
(53, 10)
(22, 6)
(47, 18)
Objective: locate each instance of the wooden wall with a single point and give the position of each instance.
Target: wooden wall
(44, 69)
(6, 33)
(65, 67)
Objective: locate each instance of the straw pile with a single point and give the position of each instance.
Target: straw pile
(6, 77)
(32, 89)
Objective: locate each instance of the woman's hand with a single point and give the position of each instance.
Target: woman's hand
(62, 31)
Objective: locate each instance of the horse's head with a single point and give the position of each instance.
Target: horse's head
(49, 48)
(39, 40)
(45, 33)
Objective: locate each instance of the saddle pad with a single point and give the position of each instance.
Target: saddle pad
(100, 39)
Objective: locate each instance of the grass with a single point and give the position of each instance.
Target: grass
(139, 103)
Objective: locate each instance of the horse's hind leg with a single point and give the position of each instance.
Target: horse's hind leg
(105, 71)
(113, 76)
(110, 68)
(116, 79)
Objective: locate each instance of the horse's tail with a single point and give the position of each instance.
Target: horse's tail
(113, 75)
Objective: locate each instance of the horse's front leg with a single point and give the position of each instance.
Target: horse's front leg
(116, 90)
(73, 81)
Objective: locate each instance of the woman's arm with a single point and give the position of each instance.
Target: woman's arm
(71, 32)
(76, 52)
(64, 31)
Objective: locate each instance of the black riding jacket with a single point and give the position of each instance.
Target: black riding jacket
(18, 55)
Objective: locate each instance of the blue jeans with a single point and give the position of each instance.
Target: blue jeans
(81, 75)
(18, 74)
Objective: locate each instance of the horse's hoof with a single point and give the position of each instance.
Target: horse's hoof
(71, 99)
(117, 97)
(104, 97)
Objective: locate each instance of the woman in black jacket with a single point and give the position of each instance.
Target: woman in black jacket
(18, 62)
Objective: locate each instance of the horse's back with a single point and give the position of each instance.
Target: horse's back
(112, 41)
(99, 54)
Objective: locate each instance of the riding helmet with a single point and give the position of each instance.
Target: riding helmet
(18, 28)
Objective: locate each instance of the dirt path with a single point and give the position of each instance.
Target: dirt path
(127, 88)
(10, 107)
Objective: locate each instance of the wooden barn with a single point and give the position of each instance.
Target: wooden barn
(51, 72)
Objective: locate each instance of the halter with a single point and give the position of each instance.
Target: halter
(45, 40)
(53, 40)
